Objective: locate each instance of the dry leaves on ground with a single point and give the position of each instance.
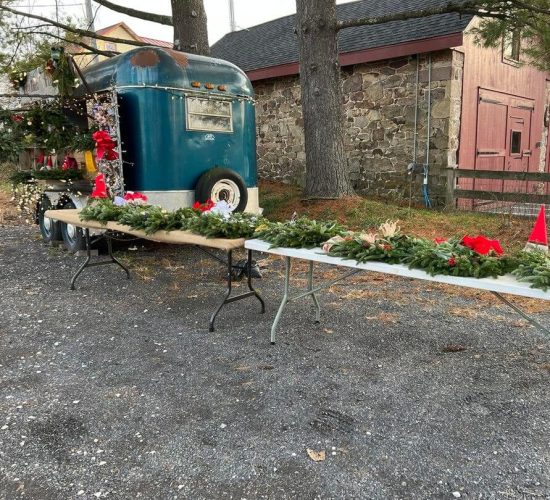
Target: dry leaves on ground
(316, 456)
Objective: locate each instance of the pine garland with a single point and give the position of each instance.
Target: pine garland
(149, 218)
(533, 267)
(299, 233)
(391, 249)
(454, 259)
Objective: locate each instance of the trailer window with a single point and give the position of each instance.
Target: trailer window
(209, 115)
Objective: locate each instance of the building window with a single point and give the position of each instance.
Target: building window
(212, 115)
(110, 46)
(511, 46)
(515, 142)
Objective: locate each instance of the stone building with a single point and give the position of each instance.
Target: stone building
(418, 95)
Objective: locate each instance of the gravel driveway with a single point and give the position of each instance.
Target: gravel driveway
(117, 390)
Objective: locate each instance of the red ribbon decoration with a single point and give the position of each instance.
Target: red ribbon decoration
(104, 145)
(100, 187)
(482, 245)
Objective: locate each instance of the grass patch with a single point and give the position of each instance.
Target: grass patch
(281, 201)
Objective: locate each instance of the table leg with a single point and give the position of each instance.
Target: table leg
(88, 258)
(87, 263)
(227, 294)
(113, 258)
(522, 314)
(313, 296)
(249, 281)
(283, 302)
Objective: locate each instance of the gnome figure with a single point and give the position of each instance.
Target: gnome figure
(538, 240)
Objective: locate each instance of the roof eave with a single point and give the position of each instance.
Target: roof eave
(368, 55)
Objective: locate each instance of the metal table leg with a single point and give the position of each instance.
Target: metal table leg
(313, 296)
(311, 291)
(87, 263)
(228, 299)
(88, 258)
(283, 302)
(113, 258)
(249, 281)
(522, 314)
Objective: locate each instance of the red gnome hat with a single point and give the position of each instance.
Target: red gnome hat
(538, 240)
(100, 187)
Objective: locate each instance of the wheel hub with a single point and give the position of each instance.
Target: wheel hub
(47, 223)
(226, 189)
(71, 231)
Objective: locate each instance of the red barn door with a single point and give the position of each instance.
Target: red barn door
(503, 139)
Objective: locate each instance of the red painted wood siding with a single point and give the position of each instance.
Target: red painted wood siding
(484, 69)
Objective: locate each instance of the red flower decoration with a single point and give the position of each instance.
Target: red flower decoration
(452, 261)
(16, 118)
(104, 145)
(440, 240)
(482, 245)
(204, 207)
(131, 196)
(100, 187)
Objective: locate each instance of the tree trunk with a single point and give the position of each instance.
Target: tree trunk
(190, 30)
(326, 164)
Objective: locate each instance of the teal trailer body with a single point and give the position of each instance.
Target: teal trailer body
(180, 116)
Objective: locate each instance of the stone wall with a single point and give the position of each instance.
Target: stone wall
(380, 108)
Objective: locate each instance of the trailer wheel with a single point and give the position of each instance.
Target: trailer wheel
(49, 228)
(73, 236)
(222, 184)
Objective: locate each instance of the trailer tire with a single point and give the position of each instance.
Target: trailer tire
(73, 236)
(49, 228)
(222, 184)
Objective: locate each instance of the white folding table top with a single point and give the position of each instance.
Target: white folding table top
(502, 284)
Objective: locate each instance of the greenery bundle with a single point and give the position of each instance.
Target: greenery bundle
(149, 218)
(51, 126)
(299, 233)
(533, 267)
(55, 174)
(476, 257)
(454, 259)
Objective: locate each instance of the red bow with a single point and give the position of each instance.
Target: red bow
(100, 188)
(104, 145)
(482, 245)
(204, 207)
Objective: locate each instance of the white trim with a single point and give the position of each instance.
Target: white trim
(172, 200)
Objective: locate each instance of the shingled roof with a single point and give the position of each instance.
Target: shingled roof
(274, 43)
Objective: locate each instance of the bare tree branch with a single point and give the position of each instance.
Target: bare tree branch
(148, 16)
(72, 29)
(530, 7)
(93, 50)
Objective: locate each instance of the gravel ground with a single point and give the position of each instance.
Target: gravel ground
(117, 389)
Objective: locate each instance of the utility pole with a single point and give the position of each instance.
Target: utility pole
(91, 27)
(232, 24)
(90, 21)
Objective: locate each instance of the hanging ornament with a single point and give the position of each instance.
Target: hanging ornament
(538, 239)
